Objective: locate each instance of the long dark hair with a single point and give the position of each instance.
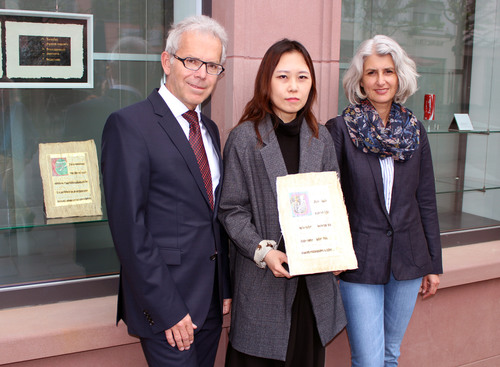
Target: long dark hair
(260, 105)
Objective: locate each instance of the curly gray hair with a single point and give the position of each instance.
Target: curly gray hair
(406, 69)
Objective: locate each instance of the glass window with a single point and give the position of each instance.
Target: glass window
(453, 44)
(128, 40)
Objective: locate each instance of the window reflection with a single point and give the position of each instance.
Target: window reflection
(128, 38)
(453, 44)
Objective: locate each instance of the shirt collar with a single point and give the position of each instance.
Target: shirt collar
(174, 104)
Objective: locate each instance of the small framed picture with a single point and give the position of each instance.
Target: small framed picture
(70, 178)
(46, 50)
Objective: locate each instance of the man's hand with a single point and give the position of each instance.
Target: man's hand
(226, 306)
(181, 334)
(274, 259)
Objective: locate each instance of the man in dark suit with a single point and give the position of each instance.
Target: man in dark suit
(161, 172)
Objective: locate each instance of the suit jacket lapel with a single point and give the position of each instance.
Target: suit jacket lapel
(379, 182)
(169, 123)
(213, 135)
(271, 153)
(395, 184)
(216, 142)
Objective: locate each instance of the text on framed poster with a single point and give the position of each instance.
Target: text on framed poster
(46, 50)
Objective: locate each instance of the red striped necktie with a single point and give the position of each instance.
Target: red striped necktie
(199, 150)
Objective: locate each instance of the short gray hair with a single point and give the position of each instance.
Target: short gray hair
(197, 23)
(406, 69)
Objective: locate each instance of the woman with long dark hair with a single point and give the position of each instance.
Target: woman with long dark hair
(277, 320)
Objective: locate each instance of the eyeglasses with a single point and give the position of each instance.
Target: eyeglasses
(194, 64)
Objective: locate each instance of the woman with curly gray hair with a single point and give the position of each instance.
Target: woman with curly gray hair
(388, 183)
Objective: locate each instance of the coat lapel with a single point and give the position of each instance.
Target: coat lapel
(271, 153)
(311, 151)
(169, 123)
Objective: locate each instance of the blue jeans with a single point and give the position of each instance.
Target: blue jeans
(377, 317)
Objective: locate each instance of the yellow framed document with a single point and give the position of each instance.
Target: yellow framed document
(70, 178)
(314, 223)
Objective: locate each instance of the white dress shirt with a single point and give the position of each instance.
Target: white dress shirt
(387, 166)
(178, 109)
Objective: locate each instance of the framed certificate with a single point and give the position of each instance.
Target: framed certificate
(46, 50)
(314, 223)
(70, 178)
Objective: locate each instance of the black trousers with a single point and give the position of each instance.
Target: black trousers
(304, 345)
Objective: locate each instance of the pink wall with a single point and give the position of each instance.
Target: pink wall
(255, 25)
(457, 327)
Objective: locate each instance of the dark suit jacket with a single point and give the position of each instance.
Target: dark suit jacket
(406, 241)
(162, 226)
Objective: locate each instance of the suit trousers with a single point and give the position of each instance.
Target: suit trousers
(202, 352)
(377, 318)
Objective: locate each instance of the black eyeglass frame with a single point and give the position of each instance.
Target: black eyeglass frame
(202, 63)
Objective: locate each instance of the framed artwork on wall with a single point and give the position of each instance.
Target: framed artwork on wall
(46, 50)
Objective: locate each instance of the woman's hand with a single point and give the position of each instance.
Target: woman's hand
(430, 284)
(273, 260)
(226, 305)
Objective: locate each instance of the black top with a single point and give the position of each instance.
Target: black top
(288, 135)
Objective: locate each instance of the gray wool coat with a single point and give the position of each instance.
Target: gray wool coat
(262, 303)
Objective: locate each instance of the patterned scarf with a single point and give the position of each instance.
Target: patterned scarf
(398, 139)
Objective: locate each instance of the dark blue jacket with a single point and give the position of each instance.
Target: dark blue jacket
(407, 240)
(163, 228)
